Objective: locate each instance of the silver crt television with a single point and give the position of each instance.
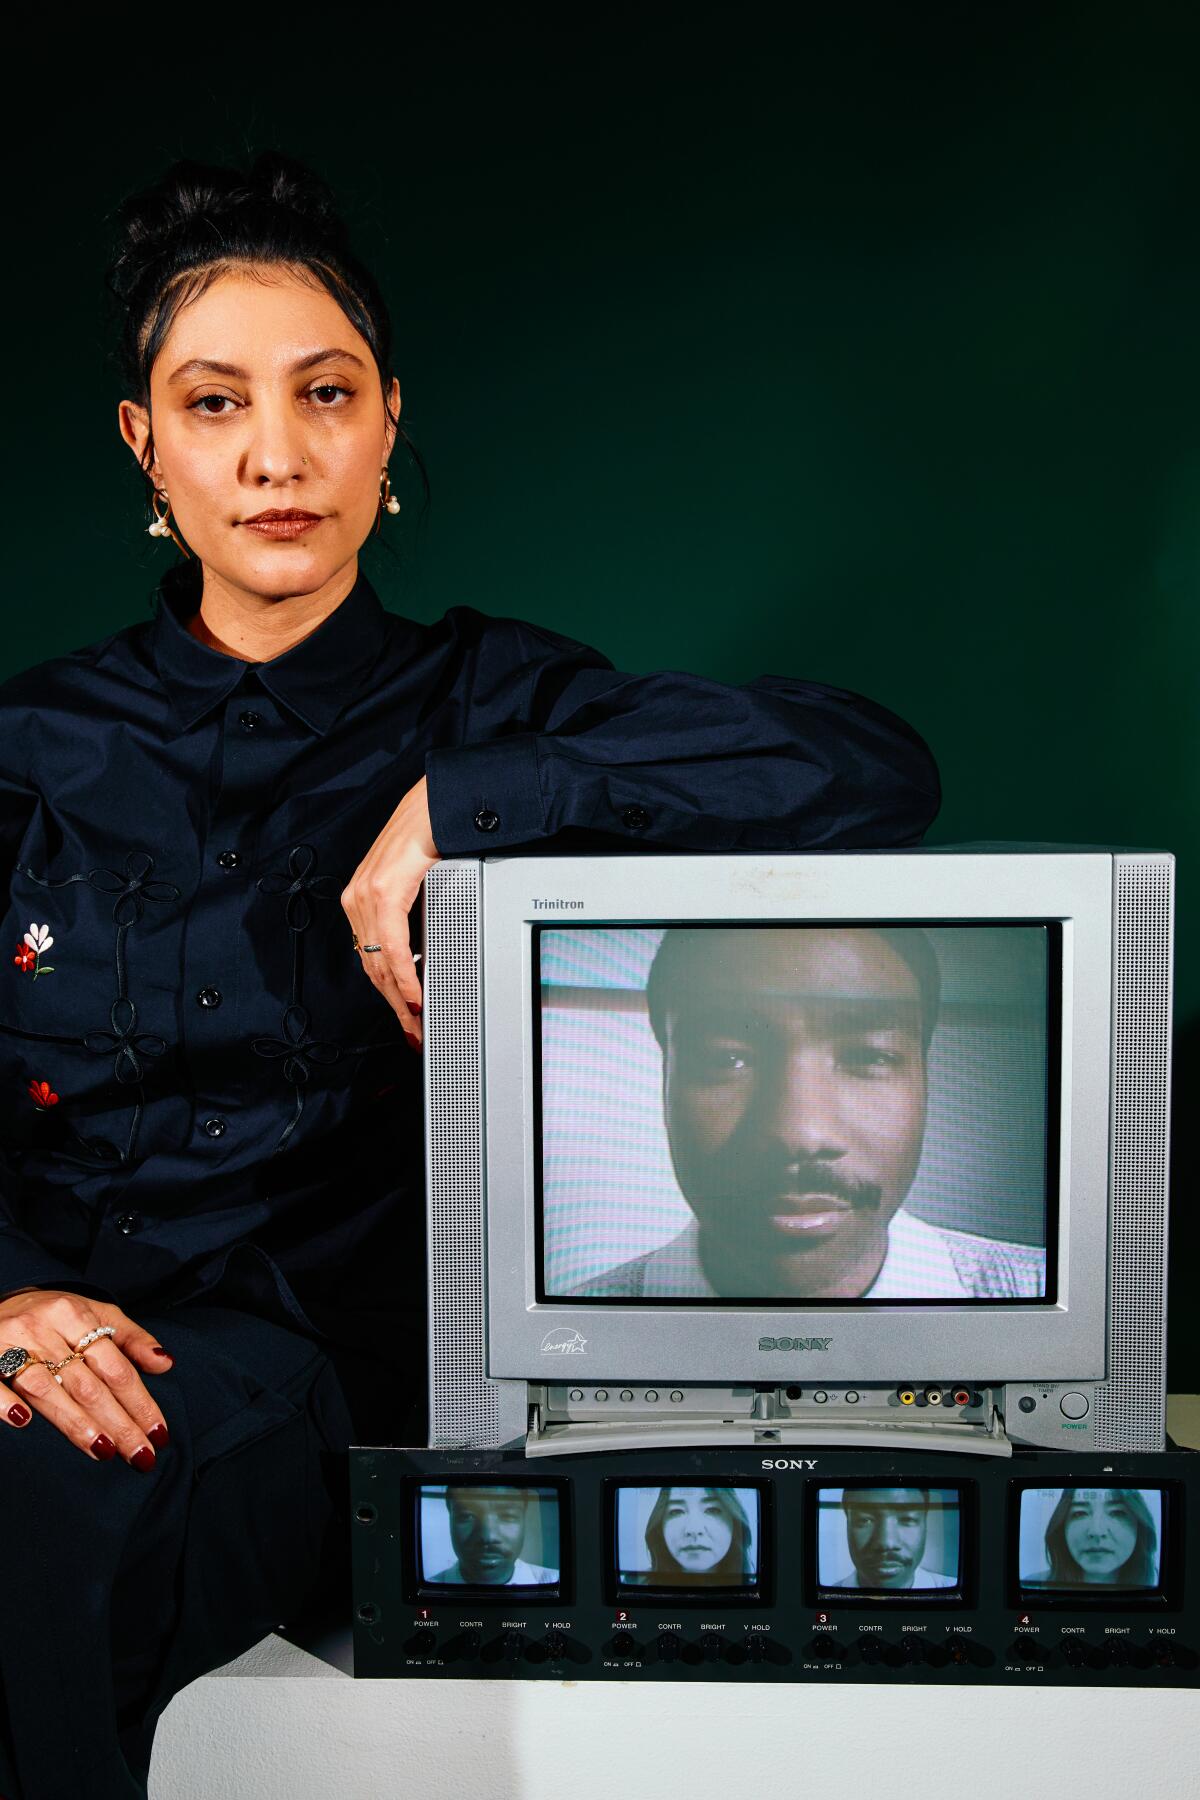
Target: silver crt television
(861, 1147)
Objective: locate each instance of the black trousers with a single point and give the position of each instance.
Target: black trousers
(118, 1588)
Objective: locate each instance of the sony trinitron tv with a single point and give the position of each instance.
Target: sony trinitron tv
(772, 1150)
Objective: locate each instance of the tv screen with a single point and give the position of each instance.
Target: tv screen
(486, 1535)
(783, 1113)
(881, 1541)
(1096, 1542)
(679, 1539)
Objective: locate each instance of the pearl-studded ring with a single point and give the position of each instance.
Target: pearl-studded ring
(100, 1331)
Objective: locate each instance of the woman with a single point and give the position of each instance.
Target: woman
(210, 1230)
(699, 1537)
(1100, 1537)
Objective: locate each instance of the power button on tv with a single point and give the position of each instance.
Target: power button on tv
(1074, 1406)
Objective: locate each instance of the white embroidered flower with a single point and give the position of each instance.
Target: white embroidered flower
(38, 938)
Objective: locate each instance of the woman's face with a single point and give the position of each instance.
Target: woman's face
(264, 398)
(696, 1529)
(1101, 1532)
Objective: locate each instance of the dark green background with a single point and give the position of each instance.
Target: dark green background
(859, 344)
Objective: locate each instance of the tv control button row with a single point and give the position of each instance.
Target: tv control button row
(1074, 1406)
(1030, 1650)
(1121, 1654)
(931, 1651)
(464, 1647)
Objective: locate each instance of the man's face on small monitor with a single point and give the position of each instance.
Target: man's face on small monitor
(885, 1529)
(794, 1094)
(487, 1529)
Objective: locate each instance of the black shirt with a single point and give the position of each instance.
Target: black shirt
(200, 1091)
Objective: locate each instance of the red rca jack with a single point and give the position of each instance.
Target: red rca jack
(962, 1397)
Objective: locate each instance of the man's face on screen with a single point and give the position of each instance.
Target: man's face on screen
(794, 1094)
(885, 1529)
(487, 1529)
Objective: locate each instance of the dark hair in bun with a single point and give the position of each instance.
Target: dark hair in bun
(175, 238)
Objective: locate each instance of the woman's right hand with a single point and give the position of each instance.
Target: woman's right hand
(102, 1405)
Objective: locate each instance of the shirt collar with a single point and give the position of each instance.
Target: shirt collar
(316, 679)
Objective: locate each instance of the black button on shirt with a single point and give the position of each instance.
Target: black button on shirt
(121, 764)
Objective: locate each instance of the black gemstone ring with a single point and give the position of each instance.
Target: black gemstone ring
(15, 1360)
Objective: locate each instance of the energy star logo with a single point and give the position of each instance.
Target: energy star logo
(564, 1343)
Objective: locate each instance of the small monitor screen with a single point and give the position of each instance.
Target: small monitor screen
(791, 1113)
(1091, 1542)
(702, 1539)
(881, 1540)
(486, 1535)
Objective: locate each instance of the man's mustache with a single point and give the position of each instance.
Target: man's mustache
(809, 1178)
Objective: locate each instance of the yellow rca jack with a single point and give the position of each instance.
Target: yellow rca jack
(907, 1397)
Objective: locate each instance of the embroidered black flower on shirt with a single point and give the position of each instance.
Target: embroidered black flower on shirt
(133, 888)
(297, 1046)
(300, 882)
(125, 1041)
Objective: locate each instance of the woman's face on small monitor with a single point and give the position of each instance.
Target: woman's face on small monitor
(696, 1529)
(1101, 1532)
(264, 398)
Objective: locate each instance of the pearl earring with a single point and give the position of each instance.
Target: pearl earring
(161, 528)
(386, 496)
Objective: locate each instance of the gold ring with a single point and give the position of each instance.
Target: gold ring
(15, 1361)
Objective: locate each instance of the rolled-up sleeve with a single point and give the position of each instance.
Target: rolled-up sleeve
(676, 759)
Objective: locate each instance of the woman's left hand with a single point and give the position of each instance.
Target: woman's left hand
(377, 902)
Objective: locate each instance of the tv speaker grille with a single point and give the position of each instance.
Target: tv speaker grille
(1130, 1407)
(463, 1404)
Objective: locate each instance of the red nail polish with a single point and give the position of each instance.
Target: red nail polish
(20, 1415)
(143, 1459)
(104, 1448)
(159, 1436)
(159, 1351)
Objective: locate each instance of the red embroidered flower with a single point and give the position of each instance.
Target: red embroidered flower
(25, 957)
(42, 1094)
